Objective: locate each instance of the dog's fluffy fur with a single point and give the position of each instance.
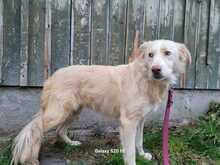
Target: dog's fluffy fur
(126, 92)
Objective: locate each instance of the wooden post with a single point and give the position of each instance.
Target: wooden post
(24, 42)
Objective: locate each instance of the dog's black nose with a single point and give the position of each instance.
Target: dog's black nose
(156, 70)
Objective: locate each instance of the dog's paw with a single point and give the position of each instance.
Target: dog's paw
(148, 156)
(75, 143)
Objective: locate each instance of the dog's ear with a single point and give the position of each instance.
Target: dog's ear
(185, 55)
(144, 46)
(136, 50)
(184, 58)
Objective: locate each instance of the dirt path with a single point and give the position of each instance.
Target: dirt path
(52, 159)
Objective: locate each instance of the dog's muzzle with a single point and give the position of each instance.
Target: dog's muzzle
(156, 70)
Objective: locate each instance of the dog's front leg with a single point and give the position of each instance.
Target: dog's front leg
(139, 141)
(139, 137)
(127, 135)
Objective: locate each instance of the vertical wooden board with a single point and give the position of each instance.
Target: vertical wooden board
(36, 43)
(213, 60)
(138, 17)
(47, 39)
(11, 57)
(99, 32)
(178, 20)
(82, 31)
(151, 28)
(1, 38)
(130, 29)
(190, 38)
(60, 34)
(72, 33)
(117, 31)
(135, 21)
(167, 19)
(24, 42)
(178, 29)
(201, 53)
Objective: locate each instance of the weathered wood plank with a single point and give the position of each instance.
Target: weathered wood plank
(24, 42)
(137, 18)
(82, 31)
(213, 59)
(117, 31)
(107, 32)
(201, 80)
(178, 20)
(47, 40)
(99, 32)
(135, 22)
(167, 19)
(152, 17)
(60, 34)
(36, 43)
(178, 29)
(1, 38)
(191, 38)
(72, 29)
(11, 57)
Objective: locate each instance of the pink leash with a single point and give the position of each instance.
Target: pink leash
(166, 127)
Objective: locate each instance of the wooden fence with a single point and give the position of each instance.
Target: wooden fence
(39, 36)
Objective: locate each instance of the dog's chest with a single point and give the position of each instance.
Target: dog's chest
(148, 108)
(139, 108)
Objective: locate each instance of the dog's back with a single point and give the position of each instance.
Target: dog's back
(97, 87)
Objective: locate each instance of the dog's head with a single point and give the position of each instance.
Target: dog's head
(164, 59)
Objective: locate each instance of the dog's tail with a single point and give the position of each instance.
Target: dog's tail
(27, 143)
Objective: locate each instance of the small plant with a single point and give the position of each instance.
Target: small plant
(5, 153)
(117, 159)
(214, 109)
(205, 140)
(68, 149)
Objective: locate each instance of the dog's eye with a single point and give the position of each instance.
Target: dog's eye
(167, 53)
(150, 54)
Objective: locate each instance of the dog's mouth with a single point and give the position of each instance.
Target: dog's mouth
(158, 77)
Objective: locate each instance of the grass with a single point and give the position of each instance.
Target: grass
(5, 153)
(197, 144)
(116, 159)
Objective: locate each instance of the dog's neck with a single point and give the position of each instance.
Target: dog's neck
(155, 90)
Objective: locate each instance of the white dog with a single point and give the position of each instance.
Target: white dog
(126, 92)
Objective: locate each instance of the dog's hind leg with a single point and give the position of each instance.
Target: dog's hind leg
(27, 143)
(62, 131)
